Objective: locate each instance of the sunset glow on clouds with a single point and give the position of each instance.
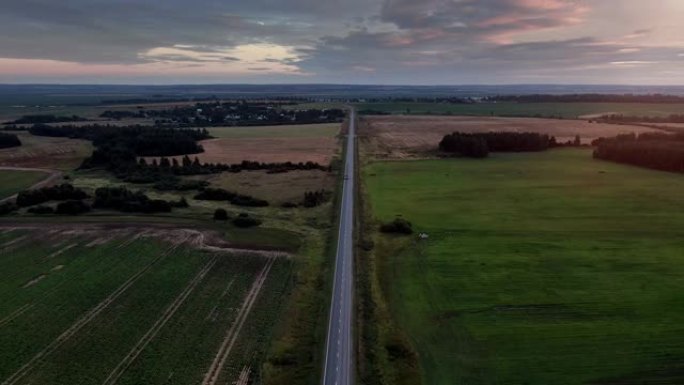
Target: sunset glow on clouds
(356, 41)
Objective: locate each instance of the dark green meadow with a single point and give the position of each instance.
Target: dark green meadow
(542, 110)
(544, 268)
(11, 182)
(48, 285)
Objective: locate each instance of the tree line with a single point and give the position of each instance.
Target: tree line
(479, 145)
(658, 151)
(219, 194)
(42, 119)
(586, 98)
(9, 140)
(619, 118)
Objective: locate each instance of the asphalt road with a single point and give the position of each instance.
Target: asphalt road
(338, 369)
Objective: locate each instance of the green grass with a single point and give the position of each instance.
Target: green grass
(82, 275)
(547, 268)
(11, 182)
(284, 131)
(563, 110)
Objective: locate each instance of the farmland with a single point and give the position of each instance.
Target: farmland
(405, 136)
(271, 144)
(112, 305)
(544, 268)
(11, 182)
(544, 110)
(45, 152)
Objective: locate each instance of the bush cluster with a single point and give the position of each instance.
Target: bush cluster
(60, 192)
(397, 226)
(219, 194)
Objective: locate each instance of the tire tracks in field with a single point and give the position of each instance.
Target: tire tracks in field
(83, 321)
(214, 371)
(15, 314)
(142, 343)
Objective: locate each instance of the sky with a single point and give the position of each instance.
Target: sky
(422, 42)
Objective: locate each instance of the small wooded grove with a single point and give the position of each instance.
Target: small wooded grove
(479, 145)
(9, 140)
(73, 201)
(219, 194)
(658, 151)
(116, 144)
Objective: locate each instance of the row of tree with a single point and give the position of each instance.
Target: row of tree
(9, 140)
(42, 119)
(60, 192)
(478, 145)
(587, 98)
(619, 118)
(652, 150)
(123, 199)
(219, 194)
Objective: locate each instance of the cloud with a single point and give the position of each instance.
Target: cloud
(394, 41)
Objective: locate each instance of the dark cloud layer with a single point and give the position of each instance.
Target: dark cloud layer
(392, 41)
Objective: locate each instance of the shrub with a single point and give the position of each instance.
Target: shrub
(72, 207)
(9, 140)
(244, 220)
(397, 226)
(220, 215)
(8, 207)
(41, 210)
(55, 193)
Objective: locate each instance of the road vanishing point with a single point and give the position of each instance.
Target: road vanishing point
(338, 369)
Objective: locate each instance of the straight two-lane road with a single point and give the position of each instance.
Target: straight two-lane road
(338, 369)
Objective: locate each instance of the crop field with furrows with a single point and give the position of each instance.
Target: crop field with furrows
(45, 152)
(12, 182)
(78, 306)
(403, 136)
(543, 268)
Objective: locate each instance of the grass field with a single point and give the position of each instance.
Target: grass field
(562, 110)
(546, 268)
(285, 131)
(11, 182)
(80, 307)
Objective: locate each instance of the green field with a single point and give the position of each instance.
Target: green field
(563, 110)
(545, 268)
(11, 182)
(284, 131)
(131, 310)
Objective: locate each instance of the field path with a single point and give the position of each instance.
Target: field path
(214, 371)
(53, 176)
(15, 314)
(82, 321)
(152, 332)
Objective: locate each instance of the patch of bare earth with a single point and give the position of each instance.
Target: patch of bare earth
(278, 188)
(267, 150)
(397, 137)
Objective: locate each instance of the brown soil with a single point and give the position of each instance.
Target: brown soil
(404, 136)
(267, 150)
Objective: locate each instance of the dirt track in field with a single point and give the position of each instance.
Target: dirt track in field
(177, 237)
(80, 323)
(214, 371)
(159, 324)
(404, 136)
(52, 177)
